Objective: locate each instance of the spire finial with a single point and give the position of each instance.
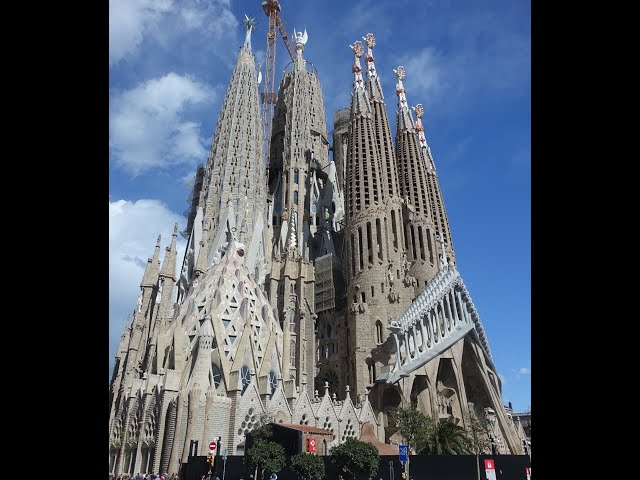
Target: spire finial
(158, 241)
(371, 42)
(358, 50)
(249, 23)
(326, 388)
(175, 229)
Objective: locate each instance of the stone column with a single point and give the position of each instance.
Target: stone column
(174, 461)
(462, 315)
(406, 346)
(424, 333)
(398, 360)
(434, 324)
(444, 317)
(125, 430)
(192, 419)
(208, 418)
(452, 296)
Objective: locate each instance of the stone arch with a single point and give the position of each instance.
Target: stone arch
(449, 405)
(474, 382)
(390, 401)
(421, 395)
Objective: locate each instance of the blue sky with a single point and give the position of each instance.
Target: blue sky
(467, 62)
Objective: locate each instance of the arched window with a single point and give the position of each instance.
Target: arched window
(295, 178)
(292, 353)
(295, 197)
(292, 321)
(379, 331)
(324, 447)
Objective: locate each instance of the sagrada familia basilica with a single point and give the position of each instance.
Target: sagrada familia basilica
(319, 290)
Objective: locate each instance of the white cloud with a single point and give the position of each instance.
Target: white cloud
(524, 371)
(147, 124)
(133, 230)
(486, 53)
(129, 20)
(425, 74)
(133, 21)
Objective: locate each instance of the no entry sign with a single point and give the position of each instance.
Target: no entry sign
(213, 445)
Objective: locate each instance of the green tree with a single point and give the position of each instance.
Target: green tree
(478, 434)
(307, 465)
(266, 456)
(354, 458)
(415, 426)
(262, 431)
(448, 439)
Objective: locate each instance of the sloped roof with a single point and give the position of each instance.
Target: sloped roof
(304, 428)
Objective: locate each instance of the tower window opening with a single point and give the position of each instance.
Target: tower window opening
(295, 197)
(413, 242)
(421, 240)
(360, 248)
(296, 176)
(353, 255)
(369, 244)
(395, 231)
(372, 291)
(379, 332)
(379, 238)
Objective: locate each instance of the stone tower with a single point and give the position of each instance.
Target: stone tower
(419, 231)
(231, 197)
(374, 234)
(304, 186)
(436, 202)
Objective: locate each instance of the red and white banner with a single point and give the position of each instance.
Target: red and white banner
(490, 469)
(528, 470)
(311, 445)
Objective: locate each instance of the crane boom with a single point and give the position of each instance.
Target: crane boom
(272, 10)
(285, 39)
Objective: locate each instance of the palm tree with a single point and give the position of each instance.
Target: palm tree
(448, 439)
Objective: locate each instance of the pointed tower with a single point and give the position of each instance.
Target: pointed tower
(436, 203)
(381, 123)
(233, 192)
(374, 240)
(422, 256)
(143, 315)
(300, 220)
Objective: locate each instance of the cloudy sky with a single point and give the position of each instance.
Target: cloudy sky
(467, 62)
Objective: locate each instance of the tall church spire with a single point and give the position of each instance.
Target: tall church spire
(233, 193)
(383, 142)
(169, 263)
(150, 277)
(436, 202)
(412, 173)
(373, 232)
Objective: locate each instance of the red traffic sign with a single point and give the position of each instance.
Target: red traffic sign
(213, 445)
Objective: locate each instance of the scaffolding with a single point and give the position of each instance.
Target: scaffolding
(325, 287)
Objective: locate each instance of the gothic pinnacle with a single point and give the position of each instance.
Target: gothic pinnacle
(150, 277)
(405, 121)
(169, 263)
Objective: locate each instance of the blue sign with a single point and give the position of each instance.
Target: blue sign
(404, 449)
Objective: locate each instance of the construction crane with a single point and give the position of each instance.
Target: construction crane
(272, 10)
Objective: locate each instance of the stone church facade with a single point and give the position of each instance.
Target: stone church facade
(320, 292)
